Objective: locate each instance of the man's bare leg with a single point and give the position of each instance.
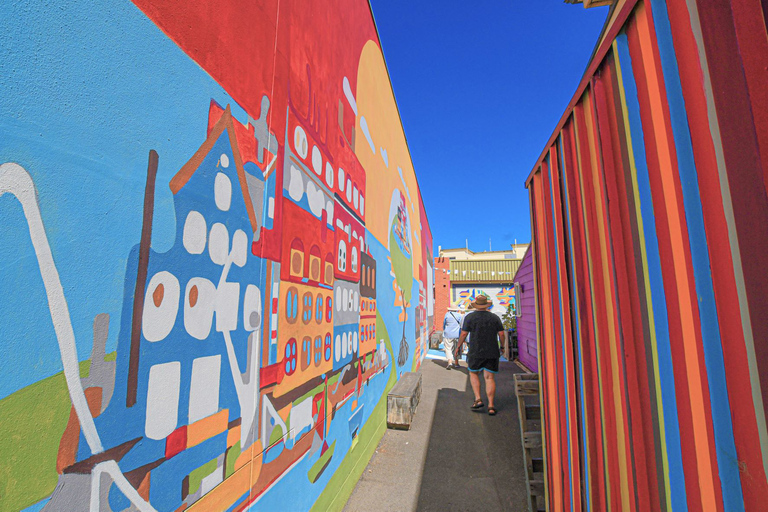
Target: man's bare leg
(474, 380)
(490, 387)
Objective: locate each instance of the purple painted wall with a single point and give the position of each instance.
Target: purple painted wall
(526, 322)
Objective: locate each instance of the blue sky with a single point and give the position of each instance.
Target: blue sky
(480, 87)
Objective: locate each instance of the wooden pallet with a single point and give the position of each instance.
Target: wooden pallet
(529, 412)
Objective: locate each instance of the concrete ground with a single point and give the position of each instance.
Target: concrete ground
(452, 459)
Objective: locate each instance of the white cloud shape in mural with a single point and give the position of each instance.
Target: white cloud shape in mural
(348, 94)
(364, 127)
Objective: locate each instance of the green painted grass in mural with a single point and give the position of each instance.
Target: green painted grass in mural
(343, 482)
(197, 475)
(32, 421)
(402, 267)
(317, 468)
(232, 456)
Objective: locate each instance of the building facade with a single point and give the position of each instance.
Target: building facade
(462, 275)
(525, 313)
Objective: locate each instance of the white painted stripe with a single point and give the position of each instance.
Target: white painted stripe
(17, 181)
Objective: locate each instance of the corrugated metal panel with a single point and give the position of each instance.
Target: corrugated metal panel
(478, 271)
(650, 218)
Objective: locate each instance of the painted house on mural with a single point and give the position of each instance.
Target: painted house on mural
(462, 275)
(217, 327)
(649, 209)
(525, 313)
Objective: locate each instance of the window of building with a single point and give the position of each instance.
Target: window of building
(342, 262)
(327, 347)
(306, 314)
(319, 308)
(292, 305)
(318, 350)
(306, 353)
(290, 357)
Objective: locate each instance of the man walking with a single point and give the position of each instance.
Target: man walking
(483, 356)
(451, 331)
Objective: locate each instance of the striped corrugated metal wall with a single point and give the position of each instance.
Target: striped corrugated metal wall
(650, 220)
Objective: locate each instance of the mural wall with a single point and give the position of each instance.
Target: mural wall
(214, 259)
(650, 217)
(502, 295)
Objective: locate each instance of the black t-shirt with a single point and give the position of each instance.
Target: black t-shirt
(484, 327)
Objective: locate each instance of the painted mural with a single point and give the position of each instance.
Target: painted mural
(502, 296)
(650, 214)
(214, 254)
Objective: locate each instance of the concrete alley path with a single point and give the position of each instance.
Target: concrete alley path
(452, 459)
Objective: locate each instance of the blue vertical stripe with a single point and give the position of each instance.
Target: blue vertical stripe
(727, 458)
(562, 327)
(656, 281)
(575, 316)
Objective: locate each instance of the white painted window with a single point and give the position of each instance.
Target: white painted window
(317, 160)
(342, 261)
(222, 191)
(252, 308)
(239, 248)
(199, 301)
(162, 400)
(300, 142)
(218, 243)
(204, 387)
(195, 233)
(161, 304)
(329, 174)
(227, 303)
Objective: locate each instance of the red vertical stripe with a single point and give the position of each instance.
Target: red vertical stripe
(746, 436)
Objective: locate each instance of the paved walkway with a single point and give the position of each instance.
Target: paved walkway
(452, 459)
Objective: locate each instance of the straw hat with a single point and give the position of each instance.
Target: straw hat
(482, 303)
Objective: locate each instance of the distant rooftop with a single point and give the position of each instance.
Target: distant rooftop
(516, 251)
(484, 271)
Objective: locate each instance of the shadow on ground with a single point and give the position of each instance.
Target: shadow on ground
(474, 461)
(452, 459)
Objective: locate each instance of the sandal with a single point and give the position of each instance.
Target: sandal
(477, 405)
(491, 411)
